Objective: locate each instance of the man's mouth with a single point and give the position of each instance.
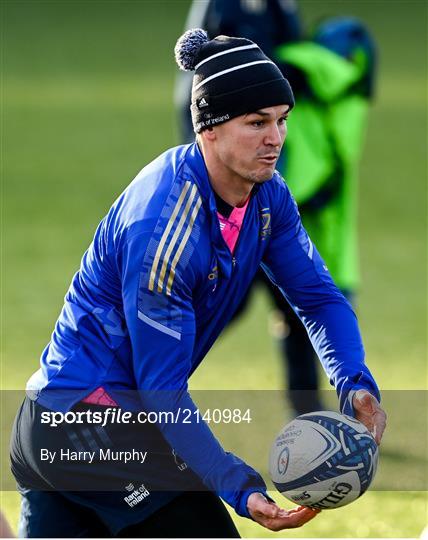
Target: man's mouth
(269, 159)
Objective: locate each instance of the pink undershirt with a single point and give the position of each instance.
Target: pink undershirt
(100, 397)
(230, 228)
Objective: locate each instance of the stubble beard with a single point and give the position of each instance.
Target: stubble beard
(259, 178)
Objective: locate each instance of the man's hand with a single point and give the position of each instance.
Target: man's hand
(271, 516)
(369, 412)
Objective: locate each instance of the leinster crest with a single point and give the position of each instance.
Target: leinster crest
(265, 220)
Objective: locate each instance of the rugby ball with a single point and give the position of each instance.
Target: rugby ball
(323, 460)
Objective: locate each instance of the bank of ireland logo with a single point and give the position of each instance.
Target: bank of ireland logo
(136, 495)
(265, 221)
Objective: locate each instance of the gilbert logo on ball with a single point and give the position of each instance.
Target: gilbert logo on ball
(323, 460)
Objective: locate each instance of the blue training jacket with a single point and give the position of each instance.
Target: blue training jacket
(157, 286)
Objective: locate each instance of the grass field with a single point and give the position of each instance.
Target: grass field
(87, 101)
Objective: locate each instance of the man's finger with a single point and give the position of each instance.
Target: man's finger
(365, 401)
(293, 518)
(303, 515)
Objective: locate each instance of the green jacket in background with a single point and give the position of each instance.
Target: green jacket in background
(324, 143)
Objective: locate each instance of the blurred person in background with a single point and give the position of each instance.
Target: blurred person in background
(335, 73)
(332, 78)
(155, 288)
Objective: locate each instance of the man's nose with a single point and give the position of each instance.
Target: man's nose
(275, 136)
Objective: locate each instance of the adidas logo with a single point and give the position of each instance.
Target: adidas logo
(202, 103)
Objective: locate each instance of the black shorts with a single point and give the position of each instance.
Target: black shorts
(102, 495)
(47, 514)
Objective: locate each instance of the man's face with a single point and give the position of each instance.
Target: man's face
(248, 146)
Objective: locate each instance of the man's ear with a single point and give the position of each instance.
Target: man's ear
(209, 134)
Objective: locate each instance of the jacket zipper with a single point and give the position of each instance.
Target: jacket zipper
(234, 259)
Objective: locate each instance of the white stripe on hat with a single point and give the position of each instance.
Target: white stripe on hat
(234, 49)
(241, 66)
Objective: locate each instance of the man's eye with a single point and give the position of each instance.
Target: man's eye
(283, 119)
(257, 123)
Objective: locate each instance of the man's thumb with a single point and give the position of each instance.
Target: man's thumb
(364, 397)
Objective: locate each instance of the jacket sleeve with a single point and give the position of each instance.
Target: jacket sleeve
(293, 263)
(161, 324)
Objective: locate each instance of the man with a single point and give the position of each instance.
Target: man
(161, 279)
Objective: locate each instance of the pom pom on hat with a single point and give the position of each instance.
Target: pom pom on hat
(187, 48)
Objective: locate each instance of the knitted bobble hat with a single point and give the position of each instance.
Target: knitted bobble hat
(232, 77)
